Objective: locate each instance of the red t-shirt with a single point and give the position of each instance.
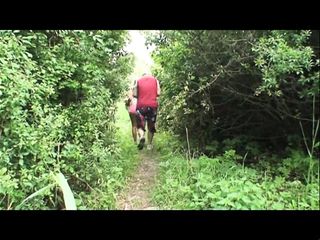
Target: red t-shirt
(147, 92)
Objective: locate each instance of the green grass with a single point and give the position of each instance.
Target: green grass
(222, 183)
(128, 150)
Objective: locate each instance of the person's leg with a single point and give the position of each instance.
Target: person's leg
(150, 133)
(138, 134)
(142, 138)
(134, 126)
(141, 128)
(152, 116)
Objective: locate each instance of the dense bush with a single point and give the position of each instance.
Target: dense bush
(57, 96)
(249, 101)
(257, 85)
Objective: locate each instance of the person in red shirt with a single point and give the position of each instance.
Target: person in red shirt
(147, 91)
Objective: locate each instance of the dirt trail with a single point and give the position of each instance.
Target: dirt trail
(136, 195)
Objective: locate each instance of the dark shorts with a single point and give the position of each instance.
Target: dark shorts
(149, 115)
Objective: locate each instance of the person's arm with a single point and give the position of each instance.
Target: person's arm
(158, 88)
(135, 89)
(130, 93)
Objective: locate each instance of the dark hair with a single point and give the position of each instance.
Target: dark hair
(127, 102)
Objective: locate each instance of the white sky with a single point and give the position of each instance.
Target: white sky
(138, 48)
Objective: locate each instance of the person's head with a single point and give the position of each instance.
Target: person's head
(127, 102)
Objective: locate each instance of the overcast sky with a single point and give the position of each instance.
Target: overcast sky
(138, 48)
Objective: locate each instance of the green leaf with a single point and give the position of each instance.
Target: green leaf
(37, 193)
(67, 193)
